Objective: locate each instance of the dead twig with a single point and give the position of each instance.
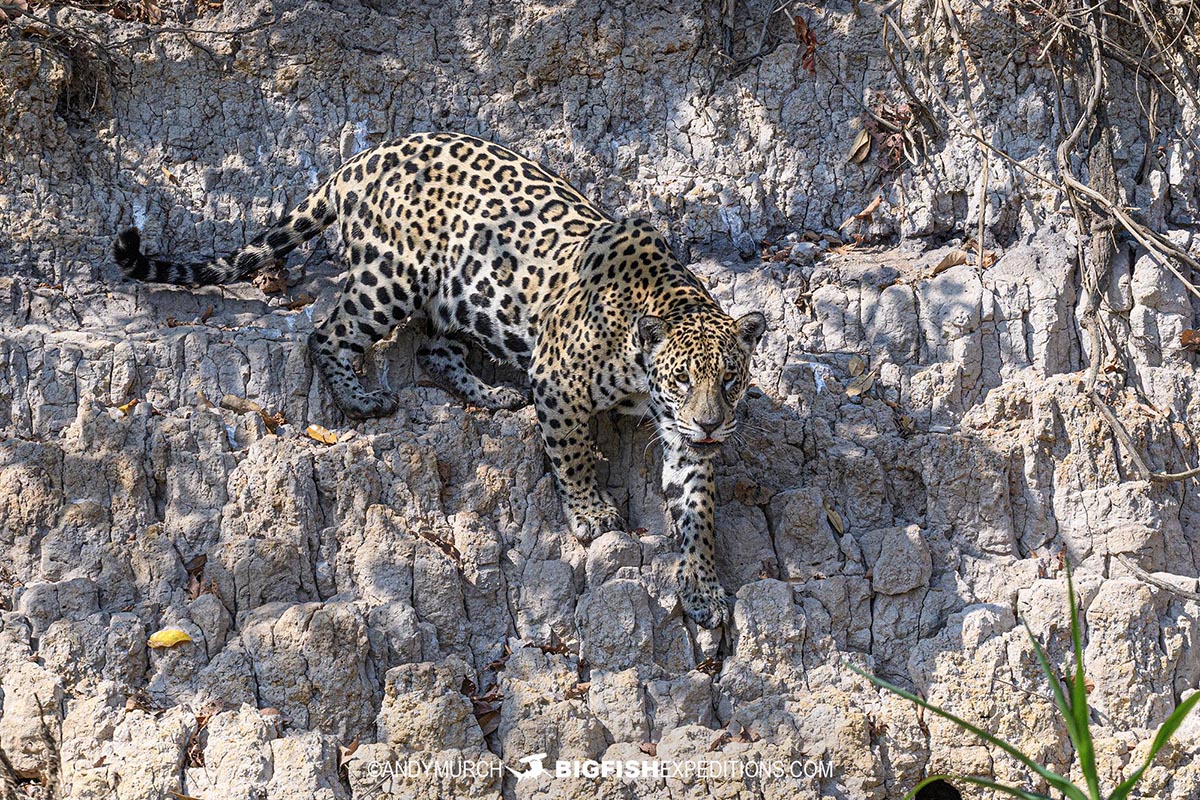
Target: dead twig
(1146, 577)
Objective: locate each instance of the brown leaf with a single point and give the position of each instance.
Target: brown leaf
(579, 690)
(446, 547)
(1190, 339)
(300, 302)
(169, 175)
(856, 366)
(809, 39)
(195, 566)
(862, 383)
(244, 405)
(321, 434)
(241, 405)
(127, 409)
(649, 748)
(865, 214)
(952, 259)
(861, 147)
(835, 519)
(345, 752)
(272, 281)
(719, 741)
(489, 722)
(204, 315)
(709, 666)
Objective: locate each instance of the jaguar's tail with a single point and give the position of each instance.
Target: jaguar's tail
(305, 221)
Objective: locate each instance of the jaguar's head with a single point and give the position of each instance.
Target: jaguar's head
(699, 370)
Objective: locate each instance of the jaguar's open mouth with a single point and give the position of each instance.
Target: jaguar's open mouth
(705, 445)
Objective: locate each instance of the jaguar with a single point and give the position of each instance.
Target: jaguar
(493, 249)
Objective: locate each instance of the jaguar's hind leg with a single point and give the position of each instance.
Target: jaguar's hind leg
(445, 361)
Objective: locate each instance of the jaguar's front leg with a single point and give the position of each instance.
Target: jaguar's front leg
(687, 479)
(567, 437)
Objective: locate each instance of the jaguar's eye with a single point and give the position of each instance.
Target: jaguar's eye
(728, 377)
(683, 378)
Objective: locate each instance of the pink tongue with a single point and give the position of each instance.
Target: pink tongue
(709, 440)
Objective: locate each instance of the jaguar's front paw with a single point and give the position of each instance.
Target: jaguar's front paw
(703, 598)
(593, 520)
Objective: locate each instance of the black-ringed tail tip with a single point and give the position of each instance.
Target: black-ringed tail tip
(127, 252)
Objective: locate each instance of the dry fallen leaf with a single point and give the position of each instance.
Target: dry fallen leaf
(835, 519)
(345, 752)
(719, 741)
(861, 147)
(168, 637)
(865, 214)
(128, 407)
(578, 690)
(446, 547)
(489, 722)
(169, 175)
(240, 404)
(243, 405)
(649, 748)
(272, 281)
(320, 434)
(204, 315)
(856, 366)
(1189, 339)
(952, 259)
(300, 302)
(861, 384)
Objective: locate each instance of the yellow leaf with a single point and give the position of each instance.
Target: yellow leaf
(127, 409)
(168, 637)
(856, 366)
(323, 435)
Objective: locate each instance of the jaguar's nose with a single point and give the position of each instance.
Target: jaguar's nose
(708, 426)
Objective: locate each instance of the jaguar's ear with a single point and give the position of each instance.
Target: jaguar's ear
(751, 328)
(651, 331)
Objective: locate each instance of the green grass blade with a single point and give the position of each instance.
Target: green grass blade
(1054, 779)
(1080, 711)
(1060, 699)
(1012, 791)
(1164, 735)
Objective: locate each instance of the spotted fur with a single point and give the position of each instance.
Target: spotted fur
(492, 248)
